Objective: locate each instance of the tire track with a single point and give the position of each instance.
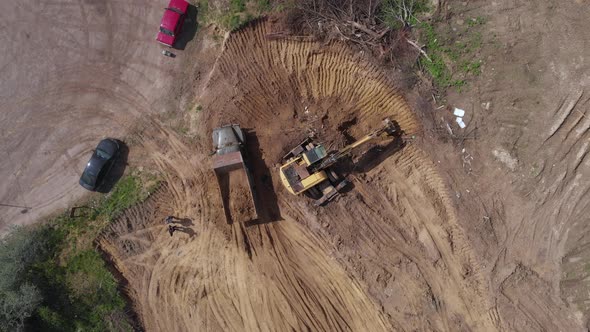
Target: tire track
(387, 256)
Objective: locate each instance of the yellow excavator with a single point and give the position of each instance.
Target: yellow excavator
(307, 168)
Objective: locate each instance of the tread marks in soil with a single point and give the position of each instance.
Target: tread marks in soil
(289, 280)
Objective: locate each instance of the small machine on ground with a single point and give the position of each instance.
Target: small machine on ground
(307, 168)
(233, 176)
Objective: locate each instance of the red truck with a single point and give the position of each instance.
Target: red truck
(172, 21)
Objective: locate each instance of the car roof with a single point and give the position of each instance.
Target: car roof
(95, 164)
(169, 19)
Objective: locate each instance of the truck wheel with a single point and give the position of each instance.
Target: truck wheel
(313, 193)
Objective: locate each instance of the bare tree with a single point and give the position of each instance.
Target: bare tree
(402, 10)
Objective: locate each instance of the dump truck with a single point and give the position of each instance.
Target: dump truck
(307, 168)
(233, 175)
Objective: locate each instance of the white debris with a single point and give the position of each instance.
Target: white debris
(460, 122)
(459, 112)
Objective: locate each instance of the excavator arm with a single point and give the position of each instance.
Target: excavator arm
(388, 129)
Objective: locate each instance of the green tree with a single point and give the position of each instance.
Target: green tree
(17, 306)
(19, 250)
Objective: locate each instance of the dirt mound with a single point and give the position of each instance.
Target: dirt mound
(236, 191)
(387, 254)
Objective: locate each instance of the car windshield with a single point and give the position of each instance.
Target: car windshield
(175, 10)
(166, 32)
(88, 178)
(102, 154)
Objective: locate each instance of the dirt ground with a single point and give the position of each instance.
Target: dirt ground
(524, 197)
(344, 266)
(73, 72)
(436, 234)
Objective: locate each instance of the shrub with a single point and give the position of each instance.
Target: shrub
(19, 250)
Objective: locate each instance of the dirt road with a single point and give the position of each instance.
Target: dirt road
(73, 72)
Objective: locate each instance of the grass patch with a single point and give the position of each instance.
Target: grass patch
(203, 9)
(128, 192)
(231, 21)
(235, 14)
(480, 20)
(471, 67)
(436, 66)
(263, 6)
(452, 58)
(237, 6)
(76, 291)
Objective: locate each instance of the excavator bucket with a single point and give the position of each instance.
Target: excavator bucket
(390, 127)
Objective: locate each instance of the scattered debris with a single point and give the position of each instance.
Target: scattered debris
(459, 113)
(460, 122)
(466, 158)
(168, 54)
(449, 129)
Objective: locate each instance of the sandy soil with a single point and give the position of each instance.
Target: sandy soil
(484, 234)
(73, 72)
(236, 193)
(345, 266)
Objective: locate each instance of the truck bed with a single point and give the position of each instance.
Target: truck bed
(236, 193)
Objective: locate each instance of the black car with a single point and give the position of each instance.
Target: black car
(100, 164)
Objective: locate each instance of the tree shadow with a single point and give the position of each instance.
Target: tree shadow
(266, 198)
(117, 170)
(189, 28)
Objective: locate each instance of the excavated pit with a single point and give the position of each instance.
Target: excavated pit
(388, 255)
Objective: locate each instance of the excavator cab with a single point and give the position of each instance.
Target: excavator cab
(307, 168)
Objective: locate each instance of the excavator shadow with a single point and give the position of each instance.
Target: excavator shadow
(370, 159)
(376, 155)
